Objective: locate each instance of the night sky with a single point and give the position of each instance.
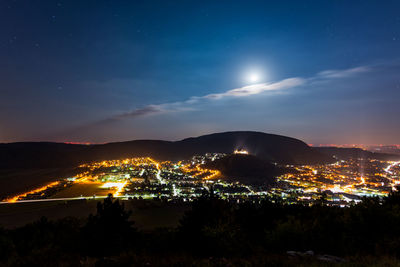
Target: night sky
(101, 71)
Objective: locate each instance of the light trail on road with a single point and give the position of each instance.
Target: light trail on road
(52, 199)
(387, 169)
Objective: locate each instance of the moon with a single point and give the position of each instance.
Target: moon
(253, 77)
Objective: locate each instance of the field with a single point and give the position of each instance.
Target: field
(147, 214)
(87, 189)
(13, 181)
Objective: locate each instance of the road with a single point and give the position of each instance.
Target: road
(58, 199)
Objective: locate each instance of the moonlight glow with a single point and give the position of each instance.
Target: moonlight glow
(253, 77)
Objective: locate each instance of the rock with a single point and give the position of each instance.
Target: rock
(309, 253)
(330, 258)
(292, 253)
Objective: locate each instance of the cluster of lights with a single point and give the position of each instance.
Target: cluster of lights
(241, 151)
(344, 178)
(180, 179)
(35, 191)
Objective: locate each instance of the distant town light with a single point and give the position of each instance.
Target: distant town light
(241, 151)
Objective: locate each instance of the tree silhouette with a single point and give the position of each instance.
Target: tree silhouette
(109, 230)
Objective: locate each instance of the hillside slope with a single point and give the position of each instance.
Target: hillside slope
(274, 148)
(355, 153)
(247, 169)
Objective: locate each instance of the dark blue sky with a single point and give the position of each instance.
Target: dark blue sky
(98, 71)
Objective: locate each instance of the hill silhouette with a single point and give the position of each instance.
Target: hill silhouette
(270, 147)
(355, 153)
(247, 169)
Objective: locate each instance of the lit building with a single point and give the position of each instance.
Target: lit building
(241, 151)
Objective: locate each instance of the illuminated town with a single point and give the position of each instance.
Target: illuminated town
(341, 184)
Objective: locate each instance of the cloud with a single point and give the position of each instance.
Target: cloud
(140, 112)
(342, 73)
(237, 92)
(244, 91)
(259, 88)
(147, 110)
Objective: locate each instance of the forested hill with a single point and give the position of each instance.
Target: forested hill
(270, 147)
(355, 153)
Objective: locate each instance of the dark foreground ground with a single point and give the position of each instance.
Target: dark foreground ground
(147, 214)
(207, 232)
